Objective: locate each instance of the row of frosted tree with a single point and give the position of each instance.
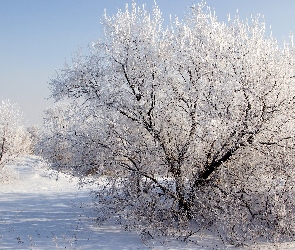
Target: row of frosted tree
(183, 129)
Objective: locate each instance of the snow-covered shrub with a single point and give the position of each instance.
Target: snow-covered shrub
(8, 175)
(53, 143)
(33, 134)
(68, 140)
(195, 122)
(14, 139)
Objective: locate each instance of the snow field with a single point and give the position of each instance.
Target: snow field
(42, 210)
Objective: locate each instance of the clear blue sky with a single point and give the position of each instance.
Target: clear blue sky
(38, 36)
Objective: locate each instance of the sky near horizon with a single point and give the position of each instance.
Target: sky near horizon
(38, 36)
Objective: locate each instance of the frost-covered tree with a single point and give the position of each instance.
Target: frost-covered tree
(14, 141)
(195, 122)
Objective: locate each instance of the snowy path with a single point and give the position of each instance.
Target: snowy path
(39, 212)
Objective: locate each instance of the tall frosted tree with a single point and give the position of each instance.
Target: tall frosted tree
(195, 123)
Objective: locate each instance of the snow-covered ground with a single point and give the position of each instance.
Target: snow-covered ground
(40, 211)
